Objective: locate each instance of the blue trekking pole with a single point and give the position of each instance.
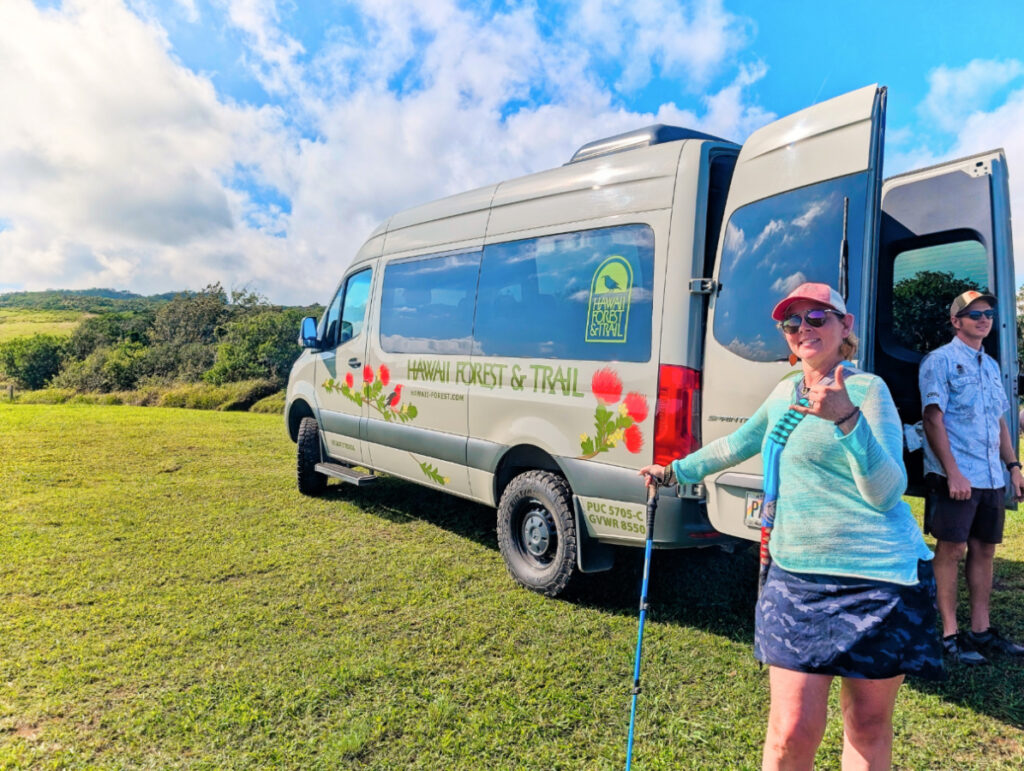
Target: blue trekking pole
(652, 505)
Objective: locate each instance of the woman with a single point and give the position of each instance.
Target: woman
(850, 591)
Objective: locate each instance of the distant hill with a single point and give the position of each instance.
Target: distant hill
(84, 300)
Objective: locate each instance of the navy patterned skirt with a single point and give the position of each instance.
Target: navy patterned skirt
(849, 627)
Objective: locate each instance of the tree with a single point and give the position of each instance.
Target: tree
(260, 345)
(921, 308)
(192, 317)
(32, 361)
(108, 330)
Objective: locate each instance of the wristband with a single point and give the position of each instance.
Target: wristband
(669, 477)
(1012, 465)
(843, 420)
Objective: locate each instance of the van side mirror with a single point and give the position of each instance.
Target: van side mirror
(346, 331)
(307, 333)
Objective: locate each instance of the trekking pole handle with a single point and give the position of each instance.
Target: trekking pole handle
(652, 505)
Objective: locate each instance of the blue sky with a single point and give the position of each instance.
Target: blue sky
(160, 145)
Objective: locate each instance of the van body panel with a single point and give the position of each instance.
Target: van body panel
(677, 525)
(701, 188)
(552, 403)
(637, 181)
(340, 415)
(425, 389)
(828, 140)
(453, 209)
(448, 234)
(788, 189)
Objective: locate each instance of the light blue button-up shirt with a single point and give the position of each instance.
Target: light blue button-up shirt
(967, 386)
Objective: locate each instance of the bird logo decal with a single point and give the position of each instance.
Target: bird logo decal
(610, 293)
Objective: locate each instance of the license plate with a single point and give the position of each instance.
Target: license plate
(752, 515)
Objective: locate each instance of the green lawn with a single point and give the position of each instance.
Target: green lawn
(169, 600)
(24, 323)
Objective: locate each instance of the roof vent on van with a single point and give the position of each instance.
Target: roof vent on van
(651, 135)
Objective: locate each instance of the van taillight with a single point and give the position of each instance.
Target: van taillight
(677, 414)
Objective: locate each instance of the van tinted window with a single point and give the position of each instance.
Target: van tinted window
(353, 312)
(338, 324)
(925, 279)
(427, 304)
(583, 295)
(772, 246)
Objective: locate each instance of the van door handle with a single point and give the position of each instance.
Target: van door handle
(354, 363)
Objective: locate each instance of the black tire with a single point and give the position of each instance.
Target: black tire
(537, 532)
(309, 452)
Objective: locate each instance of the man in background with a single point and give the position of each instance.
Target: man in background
(968, 447)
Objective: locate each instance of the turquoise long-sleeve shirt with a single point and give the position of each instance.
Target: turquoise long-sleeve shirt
(840, 510)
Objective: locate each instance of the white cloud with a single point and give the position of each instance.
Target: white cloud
(772, 228)
(976, 129)
(786, 284)
(678, 40)
(140, 175)
(955, 93)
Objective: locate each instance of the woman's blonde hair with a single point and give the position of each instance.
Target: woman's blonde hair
(848, 348)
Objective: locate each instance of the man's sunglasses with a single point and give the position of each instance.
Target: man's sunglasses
(815, 318)
(988, 313)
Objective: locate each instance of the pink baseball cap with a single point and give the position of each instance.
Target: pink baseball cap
(821, 293)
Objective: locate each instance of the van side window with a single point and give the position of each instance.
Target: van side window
(353, 310)
(328, 330)
(427, 304)
(924, 279)
(584, 295)
(345, 316)
(772, 246)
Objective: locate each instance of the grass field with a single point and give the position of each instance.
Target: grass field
(23, 323)
(170, 601)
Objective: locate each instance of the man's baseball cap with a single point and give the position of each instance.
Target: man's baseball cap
(821, 293)
(965, 299)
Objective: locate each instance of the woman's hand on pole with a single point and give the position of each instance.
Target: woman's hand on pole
(653, 474)
(829, 402)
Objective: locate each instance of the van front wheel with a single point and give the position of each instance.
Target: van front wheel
(537, 532)
(311, 481)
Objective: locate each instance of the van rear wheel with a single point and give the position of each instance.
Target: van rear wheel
(309, 452)
(537, 532)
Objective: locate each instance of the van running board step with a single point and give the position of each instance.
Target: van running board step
(346, 474)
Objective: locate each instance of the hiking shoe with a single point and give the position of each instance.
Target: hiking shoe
(990, 641)
(958, 647)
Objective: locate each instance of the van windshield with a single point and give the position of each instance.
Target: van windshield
(772, 246)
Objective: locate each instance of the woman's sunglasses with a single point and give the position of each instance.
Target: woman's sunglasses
(815, 318)
(988, 313)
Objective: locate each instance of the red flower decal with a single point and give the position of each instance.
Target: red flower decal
(385, 374)
(636, 406)
(349, 380)
(394, 397)
(633, 438)
(367, 374)
(606, 386)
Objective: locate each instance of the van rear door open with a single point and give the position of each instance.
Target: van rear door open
(944, 229)
(801, 207)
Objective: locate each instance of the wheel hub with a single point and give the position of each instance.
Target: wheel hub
(536, 533)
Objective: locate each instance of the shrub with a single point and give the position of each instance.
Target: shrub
(260, 345)
(105, 369)
(203, 396)
(273, 404)
(31, 362)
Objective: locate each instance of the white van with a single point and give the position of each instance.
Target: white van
(530, 344)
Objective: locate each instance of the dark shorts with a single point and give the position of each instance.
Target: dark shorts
(981, 517)
(848, 627)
